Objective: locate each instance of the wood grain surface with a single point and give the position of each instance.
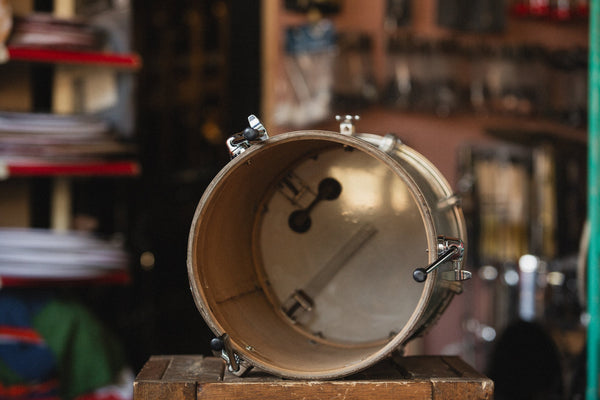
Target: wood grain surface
(411, 378)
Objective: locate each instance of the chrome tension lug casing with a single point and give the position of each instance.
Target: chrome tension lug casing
(388, 143)
(449, 249)
(448, 203)
(241, 141)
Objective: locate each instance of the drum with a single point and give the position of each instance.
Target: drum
(315, 254)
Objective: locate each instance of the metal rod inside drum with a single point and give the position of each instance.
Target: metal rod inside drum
(338, 260)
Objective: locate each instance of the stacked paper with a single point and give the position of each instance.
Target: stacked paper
(40, 254)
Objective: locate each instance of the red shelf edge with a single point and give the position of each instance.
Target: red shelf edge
(114, 168)
(129, 60)
(118, 277)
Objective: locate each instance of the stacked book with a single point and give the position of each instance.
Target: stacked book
(57, 144)
(45, 30)
(31, 257)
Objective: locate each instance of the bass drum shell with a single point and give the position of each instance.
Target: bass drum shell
(228, 280)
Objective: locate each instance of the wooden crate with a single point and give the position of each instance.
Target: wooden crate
(407, 378)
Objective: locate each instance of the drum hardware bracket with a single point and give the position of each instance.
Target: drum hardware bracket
(295, 190)
(298, 300)
(221, 346)
(253, 134)
(347, 124)
(449, 249)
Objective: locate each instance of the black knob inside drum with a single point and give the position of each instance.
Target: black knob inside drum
(299, 220)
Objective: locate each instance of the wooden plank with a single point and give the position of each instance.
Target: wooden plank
(410, 378)
(198, 369)
(437, 366)
(161, 390)
(450, 377)
(175, 377)
(466, 371)
(454, 389)
(296, 390)
(154, 368)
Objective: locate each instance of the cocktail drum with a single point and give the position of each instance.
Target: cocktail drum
(315, 254)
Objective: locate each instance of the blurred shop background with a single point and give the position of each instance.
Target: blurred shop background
(113, 120)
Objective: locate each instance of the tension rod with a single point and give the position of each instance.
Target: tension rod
(420, 274)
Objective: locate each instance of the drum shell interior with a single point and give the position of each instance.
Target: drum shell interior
(222, 262)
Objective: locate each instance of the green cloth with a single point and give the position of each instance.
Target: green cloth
(88, 357)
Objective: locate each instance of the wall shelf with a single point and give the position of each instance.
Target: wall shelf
(39, 168)
(63, 89)
(129, 61)
(114, 278)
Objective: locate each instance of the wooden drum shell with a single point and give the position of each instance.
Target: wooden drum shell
(224, 260)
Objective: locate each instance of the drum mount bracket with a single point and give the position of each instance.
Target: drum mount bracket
(240, 142)
(449, 249)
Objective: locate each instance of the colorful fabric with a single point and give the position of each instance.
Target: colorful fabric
(53, 349)
(39, 391)
(11, 334)
(28, 360)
